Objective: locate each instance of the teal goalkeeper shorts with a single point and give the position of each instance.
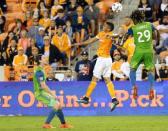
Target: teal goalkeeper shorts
(143, 57)
(46, 99)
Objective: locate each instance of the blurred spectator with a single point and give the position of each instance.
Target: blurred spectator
(2, 24)
(34, 55)
(28, 20)
(61, 17)
(55, 8)
(11, 74)
(41, 6)
(23, 73)
(32, 45)
(50, 52)
(12, 51)
(71, 7)
(20, 59)
(164, 56)
(39, 37)
(145, 7)
(84, 68)
(68, 76)
(62, 3)
(163, 71)
(24, 41)
(163, 30)
(80, 25)
(154, 2)
(62, 42)
(7, 40)
(3, 5)
(51, 76)
(163, 8)
(82, 3)
(51, 31)
(118, 75)
(45, 20)
(92, 13)
(33, 31)
(144, 74)
(36, 14)
(2, 60)
(69, 30)
(18, 28)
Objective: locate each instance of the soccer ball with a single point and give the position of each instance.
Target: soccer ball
(117, 7)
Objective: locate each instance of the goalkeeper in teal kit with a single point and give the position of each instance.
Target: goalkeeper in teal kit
(46, 96)
(143, 33)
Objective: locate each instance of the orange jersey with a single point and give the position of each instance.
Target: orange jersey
(130, 47)
(105, 44)
(63, 43)
(45, 22)
(20, 60)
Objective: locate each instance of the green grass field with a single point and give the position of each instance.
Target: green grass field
(107, 123)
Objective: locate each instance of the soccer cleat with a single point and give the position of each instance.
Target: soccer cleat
(135, 92)
(151, 94)
(83, 100)
(47, 126)
(114, 103)
(66, 126)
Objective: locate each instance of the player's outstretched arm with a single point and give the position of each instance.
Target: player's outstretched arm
(47, 89)
(89, 41)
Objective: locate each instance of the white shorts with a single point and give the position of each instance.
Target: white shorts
(103, 67)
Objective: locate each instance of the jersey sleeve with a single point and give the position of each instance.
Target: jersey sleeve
(40, 76)
(98, 35)
(130, 31)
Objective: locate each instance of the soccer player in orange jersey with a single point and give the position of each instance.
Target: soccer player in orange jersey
(103, 64)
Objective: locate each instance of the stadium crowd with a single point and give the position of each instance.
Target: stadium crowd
(51, 28)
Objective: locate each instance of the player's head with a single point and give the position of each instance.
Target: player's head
(108, 27)
(137, 16)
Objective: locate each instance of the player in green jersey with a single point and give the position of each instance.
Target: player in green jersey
(143, 33)
(46, 96)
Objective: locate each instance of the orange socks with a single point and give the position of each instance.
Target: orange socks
(111, 90)
(91, 88)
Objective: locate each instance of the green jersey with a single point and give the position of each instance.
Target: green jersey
(142, 34)
(38, 77)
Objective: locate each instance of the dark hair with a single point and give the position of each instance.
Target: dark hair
(60, 11)
(137, 16)
(111, 25)
(165, 14)
(124, 57)
(38, 5)
(140, 3)
(37, 59)
(15, 39)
